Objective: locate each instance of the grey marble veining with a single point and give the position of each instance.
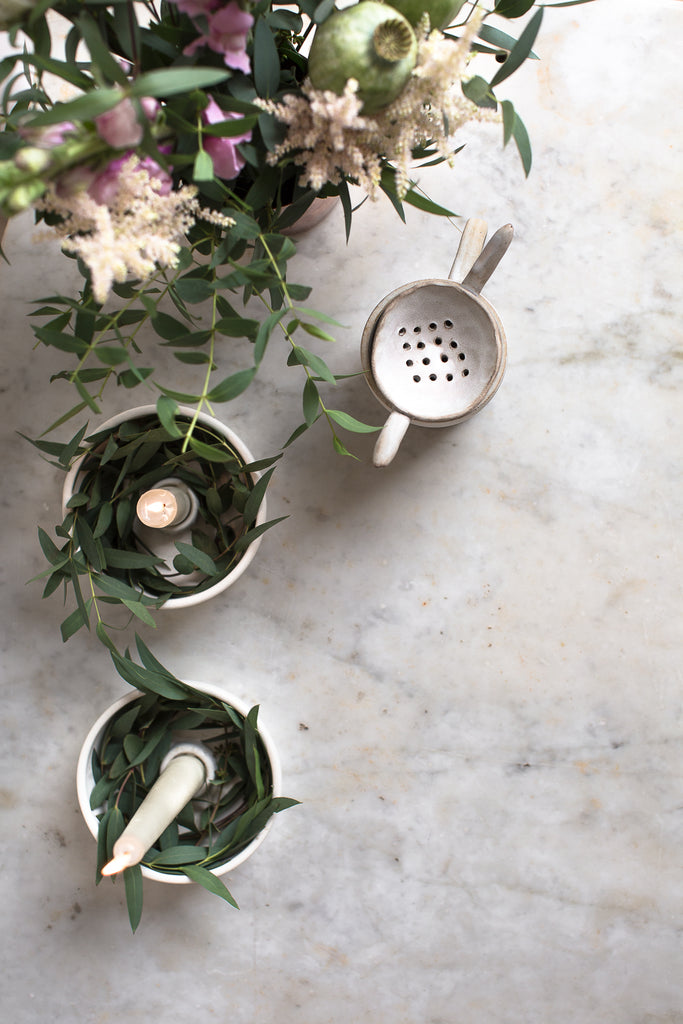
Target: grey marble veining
(470, 660)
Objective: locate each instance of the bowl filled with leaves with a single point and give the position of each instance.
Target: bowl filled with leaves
(178, 782)
(162, 508)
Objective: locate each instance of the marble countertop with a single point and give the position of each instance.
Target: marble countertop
(470, 660)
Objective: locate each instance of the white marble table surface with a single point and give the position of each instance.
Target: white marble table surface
(470, 660)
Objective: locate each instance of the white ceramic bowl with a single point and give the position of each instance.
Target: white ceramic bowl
(85, 780)
(185, 600)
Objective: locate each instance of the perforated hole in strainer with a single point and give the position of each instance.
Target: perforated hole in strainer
(439, 348)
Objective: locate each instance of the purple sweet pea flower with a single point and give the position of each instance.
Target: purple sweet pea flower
(75, 180)
(106, 184)
(227, 162)
(120, 128)
(228, 30)
(150, 107)
(48, 138)
(196, 8)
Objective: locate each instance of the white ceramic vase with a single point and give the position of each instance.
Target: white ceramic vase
(85, 779)
(192, 598)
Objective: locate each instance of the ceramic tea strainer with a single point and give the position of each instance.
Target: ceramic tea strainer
(434, 351)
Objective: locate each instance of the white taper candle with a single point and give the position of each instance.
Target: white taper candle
(184, 775)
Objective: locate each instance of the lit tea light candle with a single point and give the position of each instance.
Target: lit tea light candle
(170, 504)
(185, 770)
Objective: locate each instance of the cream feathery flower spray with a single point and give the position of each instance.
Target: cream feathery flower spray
(332, 139)
(137, 233)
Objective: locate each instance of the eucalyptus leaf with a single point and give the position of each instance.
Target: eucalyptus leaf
(177, 855)
(100, 792)
(198, 558)
(60, 340)
(203, 167)
(77, 500)
(311, 401)
(99, 51)
(513, 8)
(422, 202)
(102, 857)
(316, 332)
(132, 746)
(54, 581)
(73, 622)
(168, 327)
(151, 662)
(132, 878)
(120, 559)
(310, 359)
(264, 332)
(50, 549)
(193, 289)
(210, 882)
(82, 108)
(124, 721)
(350, 422)
(227, 129)
(140, 611)
(250, 536)
(256, 496)
(478, 90)
(266, 62)
(521, 50)
(61, 69)
(165, 82)
(500, 39)
(144, 679)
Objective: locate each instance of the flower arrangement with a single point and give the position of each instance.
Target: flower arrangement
(172, 146)
(193, 136)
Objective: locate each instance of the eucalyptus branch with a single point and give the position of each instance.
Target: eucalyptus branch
(203, 398)
(285, 329)
(116, 316)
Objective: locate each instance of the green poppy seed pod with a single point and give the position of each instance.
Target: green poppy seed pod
(370, 42)
(441, 13)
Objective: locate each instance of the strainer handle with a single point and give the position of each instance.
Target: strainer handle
(490, 257)
(471, 244)
(390, 438)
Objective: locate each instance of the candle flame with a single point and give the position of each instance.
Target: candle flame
(118, 863)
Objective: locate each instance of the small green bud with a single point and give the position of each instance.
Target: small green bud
(9, 174)
(22, 196)
(32, 159)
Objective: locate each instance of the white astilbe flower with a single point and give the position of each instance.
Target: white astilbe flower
(332, 139)
(139, 232)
